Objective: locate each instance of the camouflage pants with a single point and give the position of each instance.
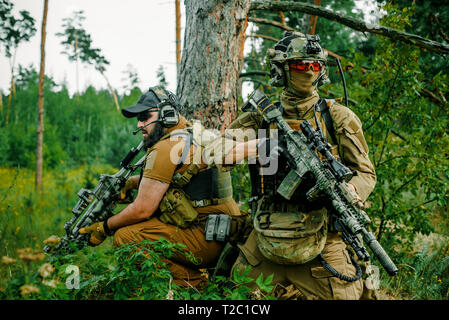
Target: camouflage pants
(306, 281)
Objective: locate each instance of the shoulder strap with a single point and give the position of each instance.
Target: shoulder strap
(324, 108)
(187, 136)
(193, 169)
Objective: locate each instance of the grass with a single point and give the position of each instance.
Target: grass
(27, 219)
(106, 272)
(423, 275)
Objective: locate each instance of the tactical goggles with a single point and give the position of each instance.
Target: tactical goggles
(304, 65)
(145, 115)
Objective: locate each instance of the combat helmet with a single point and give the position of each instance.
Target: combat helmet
(295, 46)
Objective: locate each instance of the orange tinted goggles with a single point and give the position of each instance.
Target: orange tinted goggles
(304, 65)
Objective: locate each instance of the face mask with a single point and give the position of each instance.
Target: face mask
(301, 82)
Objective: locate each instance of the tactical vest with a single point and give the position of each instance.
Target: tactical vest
(291, 231)
(192, 188)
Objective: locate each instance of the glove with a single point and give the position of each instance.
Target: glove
(125, 192)
(97, 233)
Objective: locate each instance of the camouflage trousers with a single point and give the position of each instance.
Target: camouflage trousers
(308, 281)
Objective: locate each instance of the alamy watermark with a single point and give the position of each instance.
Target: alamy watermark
(219, 147)
(73, 280)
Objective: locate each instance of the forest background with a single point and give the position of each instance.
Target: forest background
(399, 91)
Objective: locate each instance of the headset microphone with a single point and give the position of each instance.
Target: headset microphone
(136, 131)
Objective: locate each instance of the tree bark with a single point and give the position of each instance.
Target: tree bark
(212, 59)
(269, 22)
(178, 36)
(11, 93)
(262, 36)
(352, 23)
(114, 96)
(313, 19)
(40, 108)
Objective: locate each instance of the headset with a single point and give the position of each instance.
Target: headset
(169, 109)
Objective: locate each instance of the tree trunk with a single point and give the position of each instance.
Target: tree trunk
(11, 93)
(40, 110)
(77, 71)
(178, 36)
(114, 95)
(313, 19)
(212, 59)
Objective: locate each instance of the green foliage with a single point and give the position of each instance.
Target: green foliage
(131, 78)
(241, 185)
(265, 285)
(135, 271)
(82, 129)
(161, 77)
(138, 272)
(13, 29)
(78, 43)
(407, 137)
(424, 275)
(398, 91)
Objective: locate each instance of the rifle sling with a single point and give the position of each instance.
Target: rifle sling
(323, 107)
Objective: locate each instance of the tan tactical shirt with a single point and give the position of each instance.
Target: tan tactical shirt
(162, 161)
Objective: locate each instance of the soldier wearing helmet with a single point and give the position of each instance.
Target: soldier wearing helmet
(293, 239)
(295, 52)
(175, 193)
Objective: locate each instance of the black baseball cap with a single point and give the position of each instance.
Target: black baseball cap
(147, 101)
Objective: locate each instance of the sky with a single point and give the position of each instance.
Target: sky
(136, 32)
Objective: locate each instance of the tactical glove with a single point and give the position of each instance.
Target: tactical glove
(98, 232)
(126, 192)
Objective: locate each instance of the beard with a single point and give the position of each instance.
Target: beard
(154, 136)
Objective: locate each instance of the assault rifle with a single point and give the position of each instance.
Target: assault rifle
(331, 181)
(96, 205)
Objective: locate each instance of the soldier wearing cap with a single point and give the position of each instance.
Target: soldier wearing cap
(292, 239)
(175, 194)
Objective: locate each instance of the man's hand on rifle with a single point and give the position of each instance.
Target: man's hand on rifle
(126, 191)
(97, 232)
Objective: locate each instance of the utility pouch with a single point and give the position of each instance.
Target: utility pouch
(176, 208)
(218, 227)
